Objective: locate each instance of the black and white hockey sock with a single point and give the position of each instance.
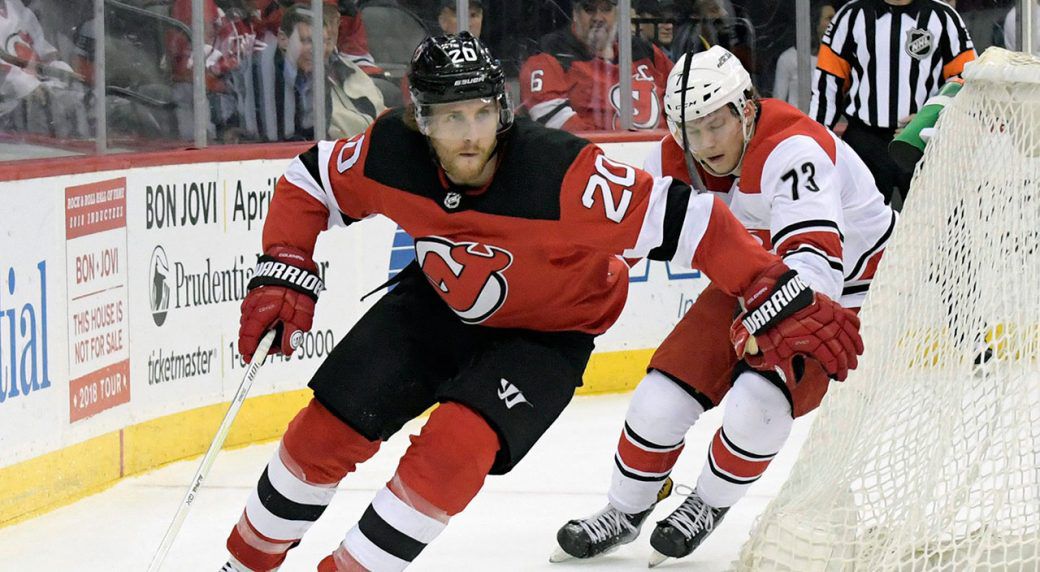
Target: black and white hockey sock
(283, 506)
(390, 535)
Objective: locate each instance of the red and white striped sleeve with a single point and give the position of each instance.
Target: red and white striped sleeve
(321, 188)
(613, 207)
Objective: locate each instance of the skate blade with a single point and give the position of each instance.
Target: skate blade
(560, 555)
(656, 559)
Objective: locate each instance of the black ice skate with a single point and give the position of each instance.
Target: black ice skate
(602, 532)
(684, 530)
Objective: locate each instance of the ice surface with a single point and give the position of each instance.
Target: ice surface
(511, 525)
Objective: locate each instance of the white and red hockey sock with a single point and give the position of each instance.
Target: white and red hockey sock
(658, 418)
(438, 476)
(390, 534)
(316, 452)
(755, 424)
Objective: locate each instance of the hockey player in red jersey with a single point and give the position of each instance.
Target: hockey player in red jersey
(518, 231)
(573, 83)
(805, 194)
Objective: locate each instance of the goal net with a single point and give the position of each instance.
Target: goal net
(928, 457)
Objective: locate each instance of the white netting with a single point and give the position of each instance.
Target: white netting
(924, 459)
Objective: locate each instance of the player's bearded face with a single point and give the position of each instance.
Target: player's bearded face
(716, 140)
(595, 22)
(463, 135)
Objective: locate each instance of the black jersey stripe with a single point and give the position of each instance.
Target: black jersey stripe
(855, 289)
(894, 81)
(310, 161)
(675, 212)
(778, 236)
(915, 66)
(881, 242)
(309, 158)
(830, 261)
(821, 86)
(870, 17)
(347, 220)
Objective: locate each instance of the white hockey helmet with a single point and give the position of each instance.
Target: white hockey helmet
(702, 83)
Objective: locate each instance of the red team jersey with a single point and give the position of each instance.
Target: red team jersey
(804, 193)
(567, 87)
(537, 248)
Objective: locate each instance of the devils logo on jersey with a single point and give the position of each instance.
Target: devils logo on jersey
(468, 275)
(646, 108)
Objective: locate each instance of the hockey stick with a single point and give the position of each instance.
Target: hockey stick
(211, 455)
(695, 178)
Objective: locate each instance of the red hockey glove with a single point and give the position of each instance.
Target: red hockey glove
(788, 319)
(282, 293)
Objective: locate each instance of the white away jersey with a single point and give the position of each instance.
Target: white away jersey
(807, 195)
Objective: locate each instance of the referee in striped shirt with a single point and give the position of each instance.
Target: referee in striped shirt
(879, 61)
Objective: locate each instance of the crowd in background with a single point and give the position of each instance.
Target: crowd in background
(259, 64)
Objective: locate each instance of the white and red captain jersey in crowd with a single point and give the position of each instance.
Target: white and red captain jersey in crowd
(804, 193)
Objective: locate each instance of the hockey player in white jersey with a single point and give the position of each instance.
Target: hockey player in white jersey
(805, 194)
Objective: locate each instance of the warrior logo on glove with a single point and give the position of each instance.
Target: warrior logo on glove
(789, 320)
(793, 294)
(282, 293)
(467, 275)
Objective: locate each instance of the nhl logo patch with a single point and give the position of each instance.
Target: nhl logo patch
(452, 200)
(919, 43)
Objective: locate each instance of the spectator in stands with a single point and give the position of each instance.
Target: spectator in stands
(229, 41)
(286, 81)
(715, 23)
(38, 92)
(448, 20)
(1011, 29)
(282, 80)
(785, 86)
(697, 32)
(659, 32)
(353, 100)
(240, 40)
(352, 40)
(573, 83)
